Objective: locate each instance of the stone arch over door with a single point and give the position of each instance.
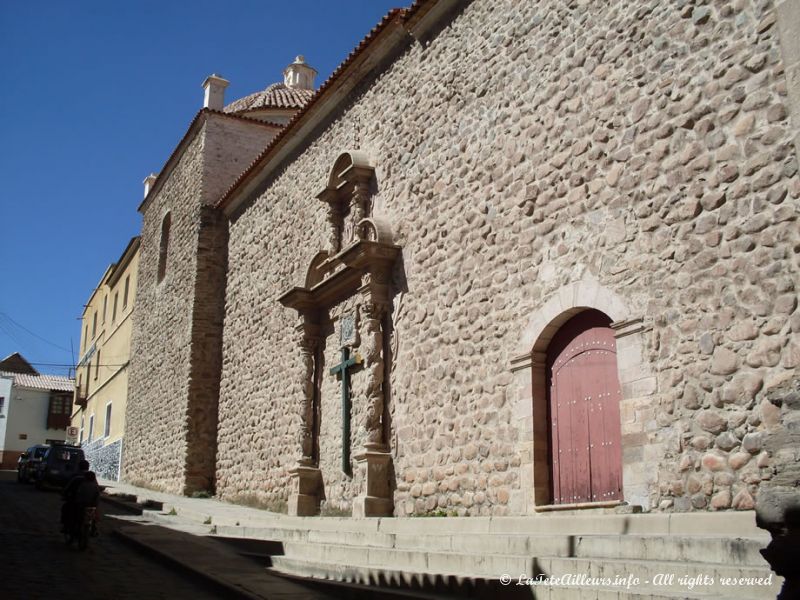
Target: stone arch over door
(531, 405)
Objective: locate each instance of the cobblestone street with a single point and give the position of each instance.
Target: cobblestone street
(38, 565)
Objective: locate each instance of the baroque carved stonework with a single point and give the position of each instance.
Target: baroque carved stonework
(357, 264)
(348, 197)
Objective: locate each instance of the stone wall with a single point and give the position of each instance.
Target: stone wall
(206, 359)
(530, 147)
(160, 346)
(175, 358)
(778, 507)
(104, 459)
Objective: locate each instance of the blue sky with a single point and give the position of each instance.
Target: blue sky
(94, 96)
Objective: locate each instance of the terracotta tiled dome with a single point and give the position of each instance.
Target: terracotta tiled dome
(276, 95)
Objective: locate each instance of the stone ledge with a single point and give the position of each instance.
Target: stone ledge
(577, 506)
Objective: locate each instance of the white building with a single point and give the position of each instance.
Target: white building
(34, 408)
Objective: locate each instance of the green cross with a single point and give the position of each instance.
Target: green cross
(341, 369)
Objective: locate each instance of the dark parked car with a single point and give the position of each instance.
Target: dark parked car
(28, 462)
(59, 464)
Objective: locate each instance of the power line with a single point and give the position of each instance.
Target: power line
(11, 335)
(41, 364)
(38, 337)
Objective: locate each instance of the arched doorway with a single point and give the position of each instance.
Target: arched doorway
(583, 399)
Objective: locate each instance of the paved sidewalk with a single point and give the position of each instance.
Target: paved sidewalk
(220, 512)
(183, 545)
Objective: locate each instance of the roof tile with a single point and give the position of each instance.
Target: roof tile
(41, 382)
(276, 95)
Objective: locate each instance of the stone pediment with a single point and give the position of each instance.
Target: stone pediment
(343, 275)
(360, 246)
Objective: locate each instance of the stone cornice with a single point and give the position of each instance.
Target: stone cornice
(345, 272)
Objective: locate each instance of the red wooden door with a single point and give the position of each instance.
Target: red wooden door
(584, 396)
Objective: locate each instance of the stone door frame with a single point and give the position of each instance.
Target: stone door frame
(357, 264)
(530, 406)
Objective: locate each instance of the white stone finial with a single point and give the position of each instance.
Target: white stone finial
(299, 75)
(214, 86)
(149, 182)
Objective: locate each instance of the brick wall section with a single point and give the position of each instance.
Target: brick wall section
(530, 145)
(231, 146)
(171, 414)
(787, 15)
(206, 357)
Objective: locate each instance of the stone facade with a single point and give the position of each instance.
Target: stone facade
(533, 160)
(172, 407)
(412, 243)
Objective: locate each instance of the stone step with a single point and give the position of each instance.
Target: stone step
(617, 594)
(177, 523)
(384, 576)
(706, 549)
(701, 578)
(732, 524)
(463, 585)
(678, 548)
(492, 565)
(372, 556)
(264, 533)
(417, 561)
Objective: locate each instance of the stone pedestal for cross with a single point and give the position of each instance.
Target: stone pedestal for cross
(304, 499)
(374, 463)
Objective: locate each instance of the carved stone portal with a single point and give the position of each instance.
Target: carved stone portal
(348, 197)
(358, 263)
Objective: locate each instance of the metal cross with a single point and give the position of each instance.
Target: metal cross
(341, 369)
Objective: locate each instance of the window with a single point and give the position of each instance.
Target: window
(162, 255)
(125, 293)
(91, 428)
(2, 402)
(105, 305)
(114, 308)
(85, 336)
(58, 414)
(107, 428)
(94, 325)
(97, 365)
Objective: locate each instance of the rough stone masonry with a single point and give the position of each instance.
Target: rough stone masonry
(530, 160)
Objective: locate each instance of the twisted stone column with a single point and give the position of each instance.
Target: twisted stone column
(306, 477)
(374, 460)
(359, 205)
(308, 356)
(374, 368)
(334, 229)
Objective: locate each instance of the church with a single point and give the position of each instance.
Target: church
(510, 258)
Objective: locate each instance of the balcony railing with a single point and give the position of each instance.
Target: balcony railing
(79, 398)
